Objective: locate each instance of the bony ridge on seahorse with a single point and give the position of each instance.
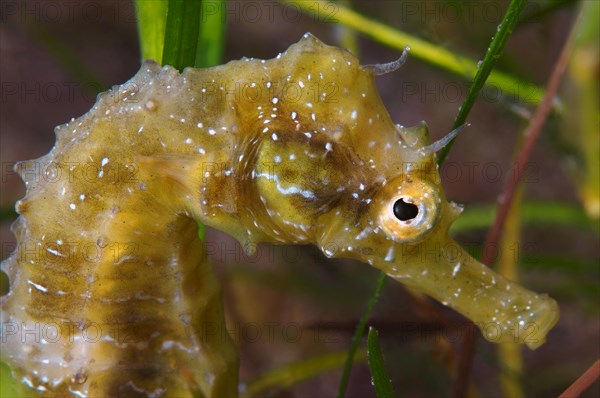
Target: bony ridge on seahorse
(297, 149)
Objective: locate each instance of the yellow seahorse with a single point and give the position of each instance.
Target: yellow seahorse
(108, 273)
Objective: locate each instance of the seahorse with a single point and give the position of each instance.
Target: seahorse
(109, 289)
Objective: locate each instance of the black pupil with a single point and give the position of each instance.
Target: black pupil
(405, 211)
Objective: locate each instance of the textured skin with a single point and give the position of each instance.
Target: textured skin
(298, 149)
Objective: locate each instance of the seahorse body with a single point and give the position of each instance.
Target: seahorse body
(297, 149)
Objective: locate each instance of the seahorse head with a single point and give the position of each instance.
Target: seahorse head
(333, 169)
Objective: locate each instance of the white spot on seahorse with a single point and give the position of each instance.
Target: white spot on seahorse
(38, 287)
(55, 252)
(363, 234)
(390, 256)
(456, 270)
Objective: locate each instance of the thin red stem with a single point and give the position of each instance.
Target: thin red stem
(506, 199)
(583, 382)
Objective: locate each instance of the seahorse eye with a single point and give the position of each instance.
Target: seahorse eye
(407, 209)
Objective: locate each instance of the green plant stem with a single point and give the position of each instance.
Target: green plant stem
(151, 21)
(181, 33)
(360, 330)
(485, 68)
(289, 375)
(379, 374)
(211, 37)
